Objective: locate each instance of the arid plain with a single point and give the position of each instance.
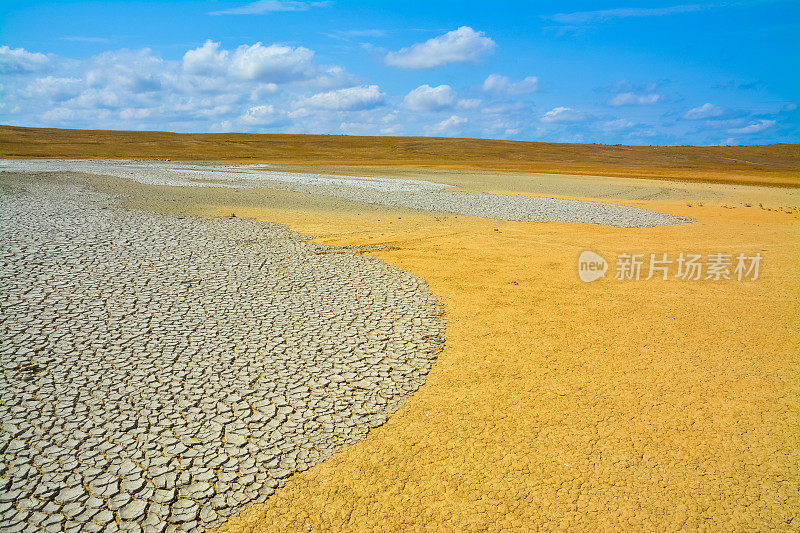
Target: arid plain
(555, 404)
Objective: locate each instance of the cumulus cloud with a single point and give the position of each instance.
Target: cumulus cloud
(755, 127)
(630, 98)
(350, 99)
(137, 71)
(562, 114)
(275, 63)
(457, 46)
(449, 125)
(269, 6)
(497, 83)
(19, 60)
(54, 88)
(139, 89)
(207, 60)
(427, 98)
(707, 110)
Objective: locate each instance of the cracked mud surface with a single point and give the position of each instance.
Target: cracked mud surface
(163, 373)
(414, 194)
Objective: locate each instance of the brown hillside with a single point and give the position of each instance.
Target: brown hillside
(775, 165)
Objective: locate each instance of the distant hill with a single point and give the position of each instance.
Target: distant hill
(774, 165)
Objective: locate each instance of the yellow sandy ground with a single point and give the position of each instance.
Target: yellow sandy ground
(557, 404)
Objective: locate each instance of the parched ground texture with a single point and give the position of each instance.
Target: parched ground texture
(559, 405)
(376, 190)
(165, 372)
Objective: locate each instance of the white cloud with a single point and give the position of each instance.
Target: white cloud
(269, 6)
(755, 127)
(262, 115)
(603, 15)
(138, 89)
(468, 103)
(562, 114)
(19, 60)
(275, 63)
(617, 125)
(206, 60)
(58, 114)
(373, 124)
(457, 46)
(79, 39)
(366, 33)
(130, 112)
(631, 98)
(449, 125)
(504, 108)
(200, 106)
(136, 71)
(56, 89)
(350, 99)
(427, 98)
(394, 129)
(96, 98)
(497, 83)
(369, 128)
(263, 91)
(706, 110)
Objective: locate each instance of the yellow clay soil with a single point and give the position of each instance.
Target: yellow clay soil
(560, 404)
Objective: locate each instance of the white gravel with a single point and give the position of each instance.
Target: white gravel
(409, 193)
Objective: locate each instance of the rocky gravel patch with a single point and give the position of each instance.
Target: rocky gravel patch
(162, 373)
(408, 193)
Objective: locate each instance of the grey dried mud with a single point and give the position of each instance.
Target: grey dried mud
(395, 192)
(162, 373)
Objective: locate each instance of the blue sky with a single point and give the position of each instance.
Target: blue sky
(621, 73)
